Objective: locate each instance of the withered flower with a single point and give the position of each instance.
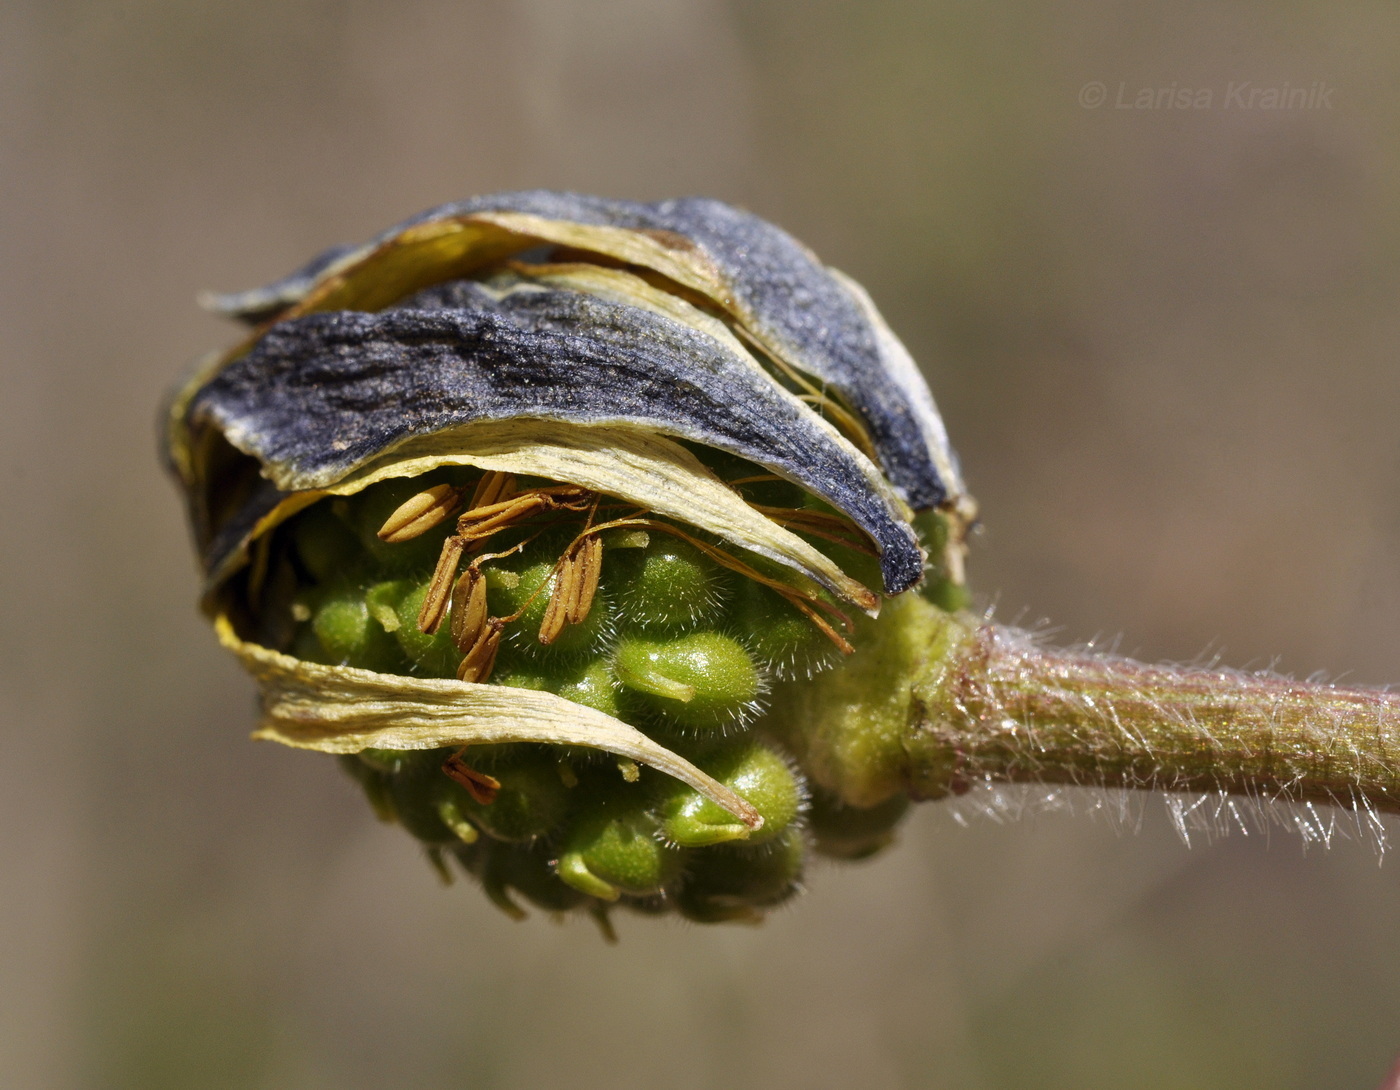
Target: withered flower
(558, 517)
(645, 392)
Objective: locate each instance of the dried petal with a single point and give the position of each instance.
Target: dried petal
(339, 709)
(757, 273)
(318, 396)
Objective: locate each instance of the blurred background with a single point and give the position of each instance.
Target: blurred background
(1164, 340)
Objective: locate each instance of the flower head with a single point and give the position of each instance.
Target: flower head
(547, 477)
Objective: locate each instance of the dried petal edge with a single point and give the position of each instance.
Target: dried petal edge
(342, 709)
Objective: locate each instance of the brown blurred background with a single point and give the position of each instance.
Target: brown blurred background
(1165, 344)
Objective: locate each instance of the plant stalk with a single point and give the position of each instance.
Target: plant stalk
(939, 703)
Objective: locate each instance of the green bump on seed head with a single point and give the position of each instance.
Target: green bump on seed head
(516, 583)
(703, 680)
(382, 600)
(435, 655)
(779, 636)
(324, 544)
(592, 686)
(518, 676)
(349, 634)
(519, 868)
(614, 850)
(760, 775)
(453, 815)
(531, 803)
(414, 791)
(730, 881)
(853, 832)
(669, 585)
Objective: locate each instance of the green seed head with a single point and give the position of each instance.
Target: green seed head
(672, 642)
(566, 827)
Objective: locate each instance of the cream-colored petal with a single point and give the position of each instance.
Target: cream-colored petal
(340, 709)
(638, 466)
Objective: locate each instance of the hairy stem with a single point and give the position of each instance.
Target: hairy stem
(1010, 710)
(946, 703)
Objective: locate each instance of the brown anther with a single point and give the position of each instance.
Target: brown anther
(436, 600)
(482, 522)
(479, 785)
(575, 585)
(468, 609)
(480, 658)
(556, 613)
(492, 488)
(590, 567)
(420, 513)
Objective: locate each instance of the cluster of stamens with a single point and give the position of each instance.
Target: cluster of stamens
(495, 506)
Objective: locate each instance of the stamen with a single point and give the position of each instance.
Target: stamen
(492, 488)
(590, 565)
(419, 514)
(556, 613)
(468, 609)
(480, 659)
(436, 600)
(481, 787)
